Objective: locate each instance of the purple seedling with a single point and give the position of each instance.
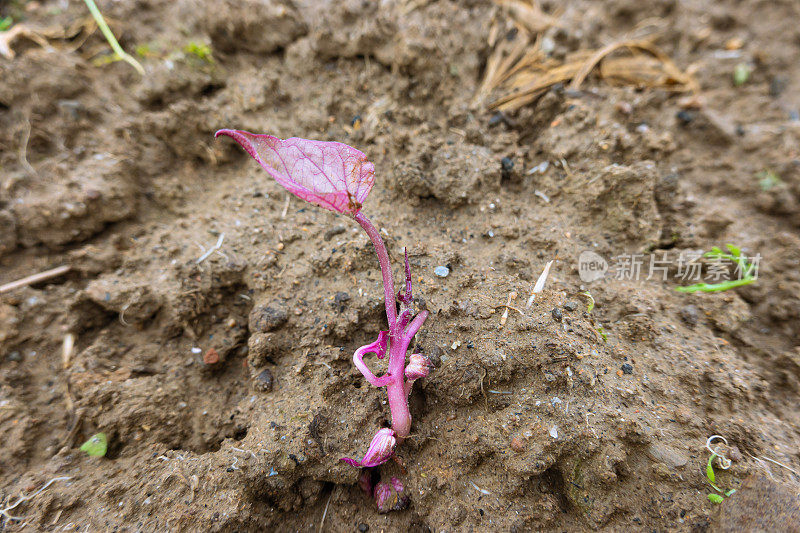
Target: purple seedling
(338, 177)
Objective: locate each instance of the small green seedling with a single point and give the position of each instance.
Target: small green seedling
(741, 73)
(5, 23)
(589, 309)
(96, 446)
(201, 51)
(767, 180)
(119, 53)
(749, 271)
(712, 480)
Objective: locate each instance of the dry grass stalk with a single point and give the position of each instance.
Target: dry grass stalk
(518, 71)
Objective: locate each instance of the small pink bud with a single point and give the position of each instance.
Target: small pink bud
(389, 497)
(383, 497)
(380, 450)
(418, 367)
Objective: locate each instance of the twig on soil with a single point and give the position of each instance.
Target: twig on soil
(69, 441)
(211, 250)
(511, 297)
(35, 278)
(4, 512)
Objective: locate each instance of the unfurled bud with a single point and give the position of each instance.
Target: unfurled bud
(380, 450)
(418, 367)
(389, 496)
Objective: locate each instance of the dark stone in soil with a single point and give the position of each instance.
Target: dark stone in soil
(264, 381)
(627, 368)
(557, 315)
(14, 356)
(363, 528)
(690, 314)
(507, 165)
(267, 318)
(685, 116)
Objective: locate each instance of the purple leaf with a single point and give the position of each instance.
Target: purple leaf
(330, 174)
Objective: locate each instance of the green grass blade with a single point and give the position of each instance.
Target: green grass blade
(101, 23)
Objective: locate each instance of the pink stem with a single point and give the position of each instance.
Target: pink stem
(378, 348)
(386, 270)
(400, 337)
(415, 325)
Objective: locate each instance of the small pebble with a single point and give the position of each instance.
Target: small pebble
(497, 118)
(517, 445)
(570, 306)
(363, 528)
(554, 432)
(690, 314)
(264, 381)
(624, 108)
(685, 116)
(627, 368)
(14, 356)
(441, 271)
(557, 316)
(507, 163)
(211, 357)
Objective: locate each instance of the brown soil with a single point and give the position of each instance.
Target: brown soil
(119, 176)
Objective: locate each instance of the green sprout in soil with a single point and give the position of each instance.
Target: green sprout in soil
(723, 463)
(5, 23)
(96, 446)
(712, 480)
(119, 53)
(748, 270)
(741, 73)
(201, 51)
(589, 309)
(767, 180)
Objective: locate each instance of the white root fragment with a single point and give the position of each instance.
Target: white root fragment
(212, 249)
